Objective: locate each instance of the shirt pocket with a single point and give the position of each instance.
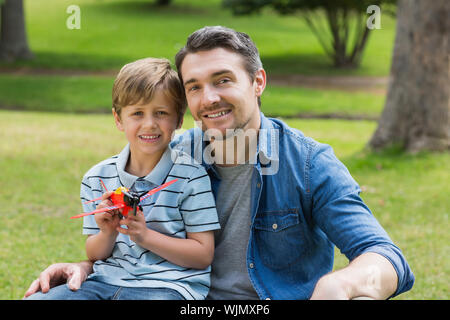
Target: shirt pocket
(279, 237)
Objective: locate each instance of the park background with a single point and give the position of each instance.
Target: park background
(55, 123)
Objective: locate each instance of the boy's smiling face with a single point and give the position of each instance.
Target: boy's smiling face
(149, 127)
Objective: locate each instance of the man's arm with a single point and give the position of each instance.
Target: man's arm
(378, 268)
(71, 273)
(370, 275)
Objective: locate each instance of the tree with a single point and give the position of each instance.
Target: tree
(13, 38)
(163, 3)
(416, 115)
(334, 37)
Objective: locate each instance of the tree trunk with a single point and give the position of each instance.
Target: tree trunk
(416, 115)
(338, 23)
(163, 3)
(13, 38)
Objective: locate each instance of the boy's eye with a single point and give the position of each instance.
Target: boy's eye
(161, 113)
(138, 113)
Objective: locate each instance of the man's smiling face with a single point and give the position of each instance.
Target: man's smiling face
(219, 90)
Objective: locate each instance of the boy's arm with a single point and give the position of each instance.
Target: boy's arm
(99, 246)
(196, 251)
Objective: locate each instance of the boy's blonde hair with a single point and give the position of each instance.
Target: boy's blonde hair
(137, 81)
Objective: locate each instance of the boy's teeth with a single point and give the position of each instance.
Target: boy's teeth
(149, 137)
(218, 114)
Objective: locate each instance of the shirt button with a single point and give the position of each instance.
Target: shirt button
(251, 265)
(258, 185)
(274, 226)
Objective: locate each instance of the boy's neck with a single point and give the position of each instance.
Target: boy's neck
(141, 166)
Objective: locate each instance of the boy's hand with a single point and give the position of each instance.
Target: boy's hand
(137, 229)
(107, 221)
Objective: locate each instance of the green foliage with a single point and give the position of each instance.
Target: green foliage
(290, 6)
(338, 44)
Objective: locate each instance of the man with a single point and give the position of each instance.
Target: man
(283, 199)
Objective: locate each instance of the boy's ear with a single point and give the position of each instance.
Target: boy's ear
(117, 120)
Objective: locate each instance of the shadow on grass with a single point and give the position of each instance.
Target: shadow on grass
(73, 61)
(392, 158)
(307, 64)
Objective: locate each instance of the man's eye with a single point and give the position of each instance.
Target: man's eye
(225, 80)
(193, 88)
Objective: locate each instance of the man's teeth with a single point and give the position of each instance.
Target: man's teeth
(218, 114)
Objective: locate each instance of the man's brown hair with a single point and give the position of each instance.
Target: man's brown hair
(209, 38)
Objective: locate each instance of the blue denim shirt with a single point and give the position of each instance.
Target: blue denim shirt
(304, 201)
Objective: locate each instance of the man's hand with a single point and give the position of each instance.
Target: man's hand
(59, 273)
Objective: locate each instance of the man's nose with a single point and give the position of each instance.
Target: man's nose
(210, 96)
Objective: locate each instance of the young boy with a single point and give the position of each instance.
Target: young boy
(165, 251)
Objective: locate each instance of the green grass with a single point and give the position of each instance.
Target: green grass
(93, 94)
(56, 93)
(44, 155)
(116, 31)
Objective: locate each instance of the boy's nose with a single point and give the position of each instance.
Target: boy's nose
(150, 122)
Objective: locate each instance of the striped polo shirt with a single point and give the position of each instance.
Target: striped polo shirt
(187, 205)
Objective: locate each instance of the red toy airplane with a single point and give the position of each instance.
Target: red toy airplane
(122, 198)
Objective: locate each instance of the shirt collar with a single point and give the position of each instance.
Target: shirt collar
(268, 141)
(156, 177)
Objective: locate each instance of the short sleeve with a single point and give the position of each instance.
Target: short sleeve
(87, 194)
(198, 207)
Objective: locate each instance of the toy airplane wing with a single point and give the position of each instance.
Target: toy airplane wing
(110, 208)
(164, 185)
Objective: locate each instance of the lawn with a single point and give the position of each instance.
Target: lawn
(44, 155)
(93, 94)
(114, 32)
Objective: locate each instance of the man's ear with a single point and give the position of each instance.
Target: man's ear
(117, 120)
(260, 82)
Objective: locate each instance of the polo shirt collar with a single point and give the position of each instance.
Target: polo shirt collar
(156, 177)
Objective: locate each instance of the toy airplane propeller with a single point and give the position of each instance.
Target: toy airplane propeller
(122, 198)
